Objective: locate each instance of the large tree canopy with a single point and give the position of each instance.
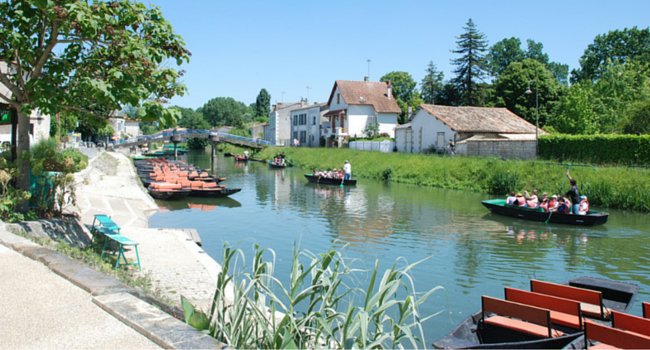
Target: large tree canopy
(508, 51)
(263, 104)
(432, 84)
(70, 55)
(616, 46)
(222, 111)
(471, 66)
(404, 91)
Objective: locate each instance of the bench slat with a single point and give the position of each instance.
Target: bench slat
(565, 312)
(616, 337)
(631, 323)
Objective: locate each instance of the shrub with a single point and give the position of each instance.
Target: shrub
(599, 149)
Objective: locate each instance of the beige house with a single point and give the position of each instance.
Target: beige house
(476, 131)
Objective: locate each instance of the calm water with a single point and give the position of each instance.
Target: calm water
(469, 251)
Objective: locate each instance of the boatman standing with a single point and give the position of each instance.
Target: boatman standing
(347, 169)
(246, 154)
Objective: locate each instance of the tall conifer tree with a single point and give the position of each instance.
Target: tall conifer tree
(471, 66)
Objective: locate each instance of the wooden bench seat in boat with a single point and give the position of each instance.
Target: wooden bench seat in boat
(631, 323)
(519, 317)
(591, 300)
(564, 312)
(646, 309)
(614, 338)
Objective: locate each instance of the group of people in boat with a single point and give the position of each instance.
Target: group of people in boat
(570, 203)
(340, 174)
(279, 158)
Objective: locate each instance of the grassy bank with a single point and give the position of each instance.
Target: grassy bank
(608, 186)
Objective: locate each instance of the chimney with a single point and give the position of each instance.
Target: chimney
(315, 103)
(389, 91)
(409, 112)
(365, 78)
(304, 103)
(274, 107)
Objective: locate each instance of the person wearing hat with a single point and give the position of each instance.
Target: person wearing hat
(544, 201)
(552, 204)
(347, 169)
(584, 205)
(520, 201)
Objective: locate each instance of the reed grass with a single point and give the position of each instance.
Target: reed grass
(316, 309)
(608, 186)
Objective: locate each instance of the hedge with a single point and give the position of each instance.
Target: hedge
(596, 149)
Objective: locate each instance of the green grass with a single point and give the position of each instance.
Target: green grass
(607, 186)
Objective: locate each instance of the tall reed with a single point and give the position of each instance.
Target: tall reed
(317, 309)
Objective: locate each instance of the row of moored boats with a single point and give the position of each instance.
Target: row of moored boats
(168, 180)
(585, 312)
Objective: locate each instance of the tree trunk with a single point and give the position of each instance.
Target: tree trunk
(23, 165)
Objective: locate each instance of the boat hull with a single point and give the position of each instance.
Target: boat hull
(498, 206)
(328, 181)
(471, 333)
(212, 193)
(273, 164)
(169, 195)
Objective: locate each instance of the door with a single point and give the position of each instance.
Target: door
(440, 142)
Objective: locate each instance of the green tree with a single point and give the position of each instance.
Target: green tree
(404, 91)
(449, 95)
(222, 111)
(432, 84)
(471, 66)
(86, 57)
(616, 46)
(575, 115)
(511, 86)
(638, 121)
(263, 104)
(194, 120)
(503, 53)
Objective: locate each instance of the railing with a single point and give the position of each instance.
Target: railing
(165, 134)
(338, 131)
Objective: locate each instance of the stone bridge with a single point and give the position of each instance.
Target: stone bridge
(180, 134)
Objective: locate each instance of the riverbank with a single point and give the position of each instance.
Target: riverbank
(607, 186)
(170, 260)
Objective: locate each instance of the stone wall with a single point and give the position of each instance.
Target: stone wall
(498, 148)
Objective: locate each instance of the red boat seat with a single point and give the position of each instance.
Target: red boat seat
(591, 300)
(631, 323)
(209, 185)
(522, 318)
(614, 338)
(564, 312)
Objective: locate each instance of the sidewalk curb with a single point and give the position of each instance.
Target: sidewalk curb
(127, 304)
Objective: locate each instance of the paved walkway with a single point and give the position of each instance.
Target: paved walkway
(50, 301)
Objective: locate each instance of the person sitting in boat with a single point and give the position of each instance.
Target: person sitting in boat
(544, 202)
(335, 174)
(552, 204)
(531, 200)
(520, 201)
(329, 173)
(282, 158)
(584, 205)
(564, 206)
(511, 198)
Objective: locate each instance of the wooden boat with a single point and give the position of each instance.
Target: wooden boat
(273, 164)
(167, 191)
(499, 206)
(239, 158)
(475, 333)
(228, 154)
(327, 181)
(214, 192)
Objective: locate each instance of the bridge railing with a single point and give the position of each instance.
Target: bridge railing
(170, 133)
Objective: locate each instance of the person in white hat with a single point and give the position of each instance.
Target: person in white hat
(347, 169)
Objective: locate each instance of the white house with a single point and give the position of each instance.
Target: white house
(279, 130)
(39, 124)
(355, 105)
(306, 123)
(479, 131)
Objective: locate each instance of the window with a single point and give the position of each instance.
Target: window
(295, 120)
(303, 137)
(314, 122)
(338, 98)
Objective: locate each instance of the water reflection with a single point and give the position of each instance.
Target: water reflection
(468, 250)
(197, 203)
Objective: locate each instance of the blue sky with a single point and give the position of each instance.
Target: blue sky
(240, 47)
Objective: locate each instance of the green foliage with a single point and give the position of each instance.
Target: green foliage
(508, 51)
(194, 120)
(404, 91)
(253, 309)
(599, 149)
(222, 111)
(263, 104)
(432, 84)
(471, 66)
(197, 319)
(617, 46)
(511, 86)
(10, 197)
(617, 187)
(372, 130)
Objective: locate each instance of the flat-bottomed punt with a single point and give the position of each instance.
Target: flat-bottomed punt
(500, 323)
(328, 181)
(499, 206)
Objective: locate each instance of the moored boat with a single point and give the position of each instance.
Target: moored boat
(239, 158)
(499, 206)
(488, 329)
(274, 164)
(167, 191)
(328, 181)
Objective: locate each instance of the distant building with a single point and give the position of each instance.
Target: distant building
(257, 131)
(279, 129)
(123, 128)
(306, 123)
(356, 105)
(224, 129)
(477, 131)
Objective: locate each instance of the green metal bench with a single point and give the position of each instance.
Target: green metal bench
(111, 231)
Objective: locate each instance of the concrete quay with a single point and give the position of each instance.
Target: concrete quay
(51, 301)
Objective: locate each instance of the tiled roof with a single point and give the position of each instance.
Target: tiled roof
(481, 119)
(373, 93)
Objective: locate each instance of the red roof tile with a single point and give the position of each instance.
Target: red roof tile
(481, 119)
(373, 93)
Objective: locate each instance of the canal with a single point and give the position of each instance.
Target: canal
(467, 250)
